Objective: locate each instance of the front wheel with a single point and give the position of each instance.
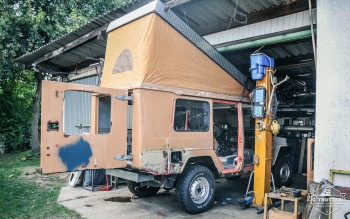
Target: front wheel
(142, 191)
(195, 189)
(282, 172)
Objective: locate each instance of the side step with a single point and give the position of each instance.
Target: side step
(129, 175)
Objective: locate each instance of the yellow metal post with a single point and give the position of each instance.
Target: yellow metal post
(263, 147)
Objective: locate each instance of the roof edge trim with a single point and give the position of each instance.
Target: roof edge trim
(134, 15)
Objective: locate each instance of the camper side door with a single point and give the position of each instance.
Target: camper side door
(82, 127)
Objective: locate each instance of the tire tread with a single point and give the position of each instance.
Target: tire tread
(181, 188)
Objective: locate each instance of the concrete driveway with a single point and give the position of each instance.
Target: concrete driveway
(93, 205)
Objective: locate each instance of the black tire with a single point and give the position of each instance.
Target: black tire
(141, 191)
(195, 189)
(282, 172)
(233, 178)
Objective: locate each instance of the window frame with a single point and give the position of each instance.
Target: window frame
(89, 123)
(191, 131)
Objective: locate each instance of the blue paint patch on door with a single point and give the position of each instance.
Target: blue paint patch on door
(76, 154)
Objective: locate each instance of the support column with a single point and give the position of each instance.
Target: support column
(263, 148)
(332, 150)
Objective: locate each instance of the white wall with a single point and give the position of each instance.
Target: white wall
(333, 90)
(332, 149)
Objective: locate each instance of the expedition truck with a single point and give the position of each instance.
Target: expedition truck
(170, 112)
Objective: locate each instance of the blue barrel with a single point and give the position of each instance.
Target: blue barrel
(258, 64)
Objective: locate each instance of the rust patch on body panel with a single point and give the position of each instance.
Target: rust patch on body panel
(176, 168)
(155, 161)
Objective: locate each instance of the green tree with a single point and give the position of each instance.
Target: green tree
(25, 26)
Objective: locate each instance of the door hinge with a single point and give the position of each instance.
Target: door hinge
(122, 97)
(123, 157)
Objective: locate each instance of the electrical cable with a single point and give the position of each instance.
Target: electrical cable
(234, 18)
(268, 88)
(184, 12)
(256, 51)
(235, 13)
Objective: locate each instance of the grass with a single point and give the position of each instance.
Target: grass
(22, 197)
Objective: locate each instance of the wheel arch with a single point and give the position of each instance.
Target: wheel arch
(279, 151)
(206, 161)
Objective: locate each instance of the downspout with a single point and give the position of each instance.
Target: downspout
(312, 34)
(268, 41)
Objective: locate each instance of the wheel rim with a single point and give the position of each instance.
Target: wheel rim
(284, 172)
(199, 190)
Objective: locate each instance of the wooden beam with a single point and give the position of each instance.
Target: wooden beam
(255, 17)
(43, 69)
(81, 65)
(84, 39)
(52, 66)
(102, 36)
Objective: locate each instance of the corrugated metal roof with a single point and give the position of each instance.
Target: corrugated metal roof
(196, 13)
(207, 12)
(95, 48)
(241, 58)
(199, 13)
(300, 70)
(273, 27)
(88, 27)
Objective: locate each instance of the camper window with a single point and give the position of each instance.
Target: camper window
(77, 113)
(191, 116)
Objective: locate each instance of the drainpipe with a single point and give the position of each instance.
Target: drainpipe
(267, 41)
(312, 36)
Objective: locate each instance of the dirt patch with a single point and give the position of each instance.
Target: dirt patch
(47, 180)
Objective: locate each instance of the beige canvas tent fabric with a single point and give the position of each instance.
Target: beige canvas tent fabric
(150, 51)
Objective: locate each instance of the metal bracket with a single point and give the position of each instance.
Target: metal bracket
(122, 97)
(123, 157)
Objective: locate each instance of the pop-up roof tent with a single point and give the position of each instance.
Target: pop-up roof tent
(152, 46)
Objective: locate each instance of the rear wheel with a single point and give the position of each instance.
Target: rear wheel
(282, 171)
(142, 191)
(195, 189)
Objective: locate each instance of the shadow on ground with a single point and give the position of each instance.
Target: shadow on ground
(119, 202)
